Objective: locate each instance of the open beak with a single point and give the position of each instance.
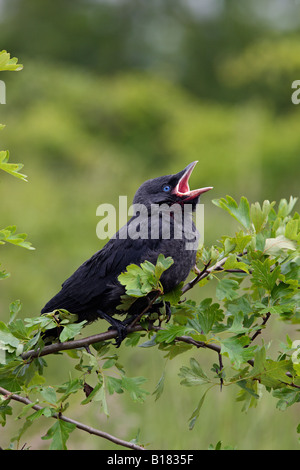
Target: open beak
(182, 188)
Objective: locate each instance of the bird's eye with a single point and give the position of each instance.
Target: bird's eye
(166, 188)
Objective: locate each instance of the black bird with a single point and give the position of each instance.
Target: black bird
(93, 291)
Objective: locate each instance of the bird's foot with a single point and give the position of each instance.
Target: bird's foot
(122, 333)
(115, 325)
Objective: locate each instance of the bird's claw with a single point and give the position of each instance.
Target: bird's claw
(122, 333)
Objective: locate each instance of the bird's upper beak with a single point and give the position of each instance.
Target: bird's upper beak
(182, 188)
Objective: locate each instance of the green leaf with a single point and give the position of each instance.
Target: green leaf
(11, 168)
(14, 309)
(132, 385)
(264, 275)
(71, 330)
(49, 395)
(193, 375)
(174, 295)
(285, 207)
(271, 373)
(292, 229)
(278, 245)
(137, 282)
(5, 410)
(162, 265)
(114, 385)
(195, 415)
(234, 348)
(59, 433)
(227, 289)
(259, 216)
(233, 263)
(237, 243)
(140, 280)
(241, 213)
(159, 387)
(8, 63)
(3, 273)
(170, 332)
(8, 235)
(6, 338)
(208, 314)
(46, 411)
(286, 397)
(68, 388)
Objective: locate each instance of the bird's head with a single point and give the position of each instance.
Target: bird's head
(170, 189)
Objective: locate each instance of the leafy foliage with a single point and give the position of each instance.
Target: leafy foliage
(11, 168)
(252, 284)
(8, 63)
(8, 234)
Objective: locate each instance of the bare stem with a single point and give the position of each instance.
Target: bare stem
(83, 427)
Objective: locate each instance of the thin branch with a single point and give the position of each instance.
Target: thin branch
(83, 427)
(258, 332)
(79, 343)
(204, 273)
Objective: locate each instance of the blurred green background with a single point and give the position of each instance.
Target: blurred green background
(114, 93)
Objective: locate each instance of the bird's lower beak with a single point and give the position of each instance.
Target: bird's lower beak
(182, 188)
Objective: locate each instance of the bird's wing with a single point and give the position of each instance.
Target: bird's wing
(93, 278)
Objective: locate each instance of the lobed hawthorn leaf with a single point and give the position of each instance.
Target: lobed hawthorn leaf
(170, 332)
(11, 168)
(162, 265)
(174, 295)
(236, 244)
(227, 289)
(5, 410)
(292, 229)
(8, 235)
(7, 339)
(132, 386)
(249, 393)
(233, 263)
(14, 309)
(241, 213)
(59, 433)
(285, 207)
(140, 280)
(286, 397)
(193, 375)
(260, 215)
(208, 314)
(8, 63)
(235, 348)
(262, 274)
(271, 373)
